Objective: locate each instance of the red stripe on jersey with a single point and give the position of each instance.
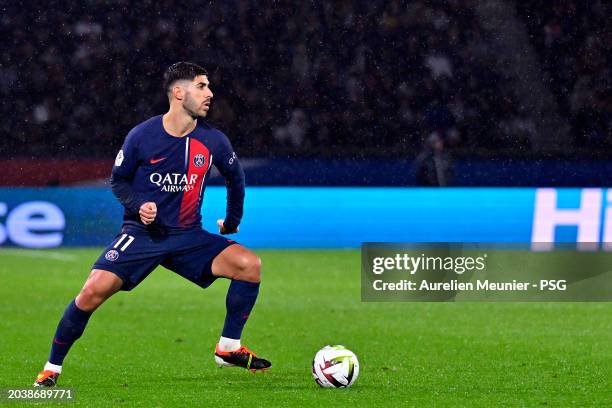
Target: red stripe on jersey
(197, 168)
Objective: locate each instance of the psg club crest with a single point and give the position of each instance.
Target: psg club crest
(199, 160)
(111, 255)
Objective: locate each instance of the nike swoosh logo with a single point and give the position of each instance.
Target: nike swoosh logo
(153, 161)
(61, 343)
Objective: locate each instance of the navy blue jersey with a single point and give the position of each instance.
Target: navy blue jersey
(172, 172)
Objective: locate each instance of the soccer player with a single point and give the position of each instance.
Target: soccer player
(159, 176)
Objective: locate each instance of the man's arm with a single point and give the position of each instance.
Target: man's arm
(125, 166)
(230, 168)
(122, 189)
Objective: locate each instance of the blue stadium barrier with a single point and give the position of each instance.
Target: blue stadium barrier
(400, 173)
(278, 217)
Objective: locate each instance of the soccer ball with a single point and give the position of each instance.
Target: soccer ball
(335, 367)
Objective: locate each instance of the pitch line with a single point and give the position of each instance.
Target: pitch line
(36, 253)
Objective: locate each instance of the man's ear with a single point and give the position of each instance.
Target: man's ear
(177, 92)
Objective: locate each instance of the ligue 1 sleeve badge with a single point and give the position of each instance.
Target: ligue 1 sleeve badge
(111, 255)
(119, 158)
(199, 160)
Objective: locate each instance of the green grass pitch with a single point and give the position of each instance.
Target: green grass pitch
(154, 346)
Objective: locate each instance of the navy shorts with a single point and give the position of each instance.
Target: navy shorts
(134, 253)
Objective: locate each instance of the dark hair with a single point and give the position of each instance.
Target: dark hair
(181, 70)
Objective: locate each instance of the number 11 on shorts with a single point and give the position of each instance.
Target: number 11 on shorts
(127, 243)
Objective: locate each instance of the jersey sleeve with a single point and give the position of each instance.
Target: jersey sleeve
(126, 161)
(226, 161)
(125, 166)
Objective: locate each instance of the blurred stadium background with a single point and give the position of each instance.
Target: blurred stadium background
(521, 84)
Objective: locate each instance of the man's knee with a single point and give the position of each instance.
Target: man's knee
(89, 298)
(249, 268)
(99, 286)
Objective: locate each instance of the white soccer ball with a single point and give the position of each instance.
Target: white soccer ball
(335, 367)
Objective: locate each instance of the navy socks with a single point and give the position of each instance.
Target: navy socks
(239, 302)
(69, 329)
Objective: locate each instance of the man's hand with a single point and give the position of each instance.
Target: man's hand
(222, 229)
(147, 212)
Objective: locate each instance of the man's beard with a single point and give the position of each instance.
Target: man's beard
(193, 112)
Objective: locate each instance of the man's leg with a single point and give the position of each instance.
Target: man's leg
(99, 286)
(243, 267)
